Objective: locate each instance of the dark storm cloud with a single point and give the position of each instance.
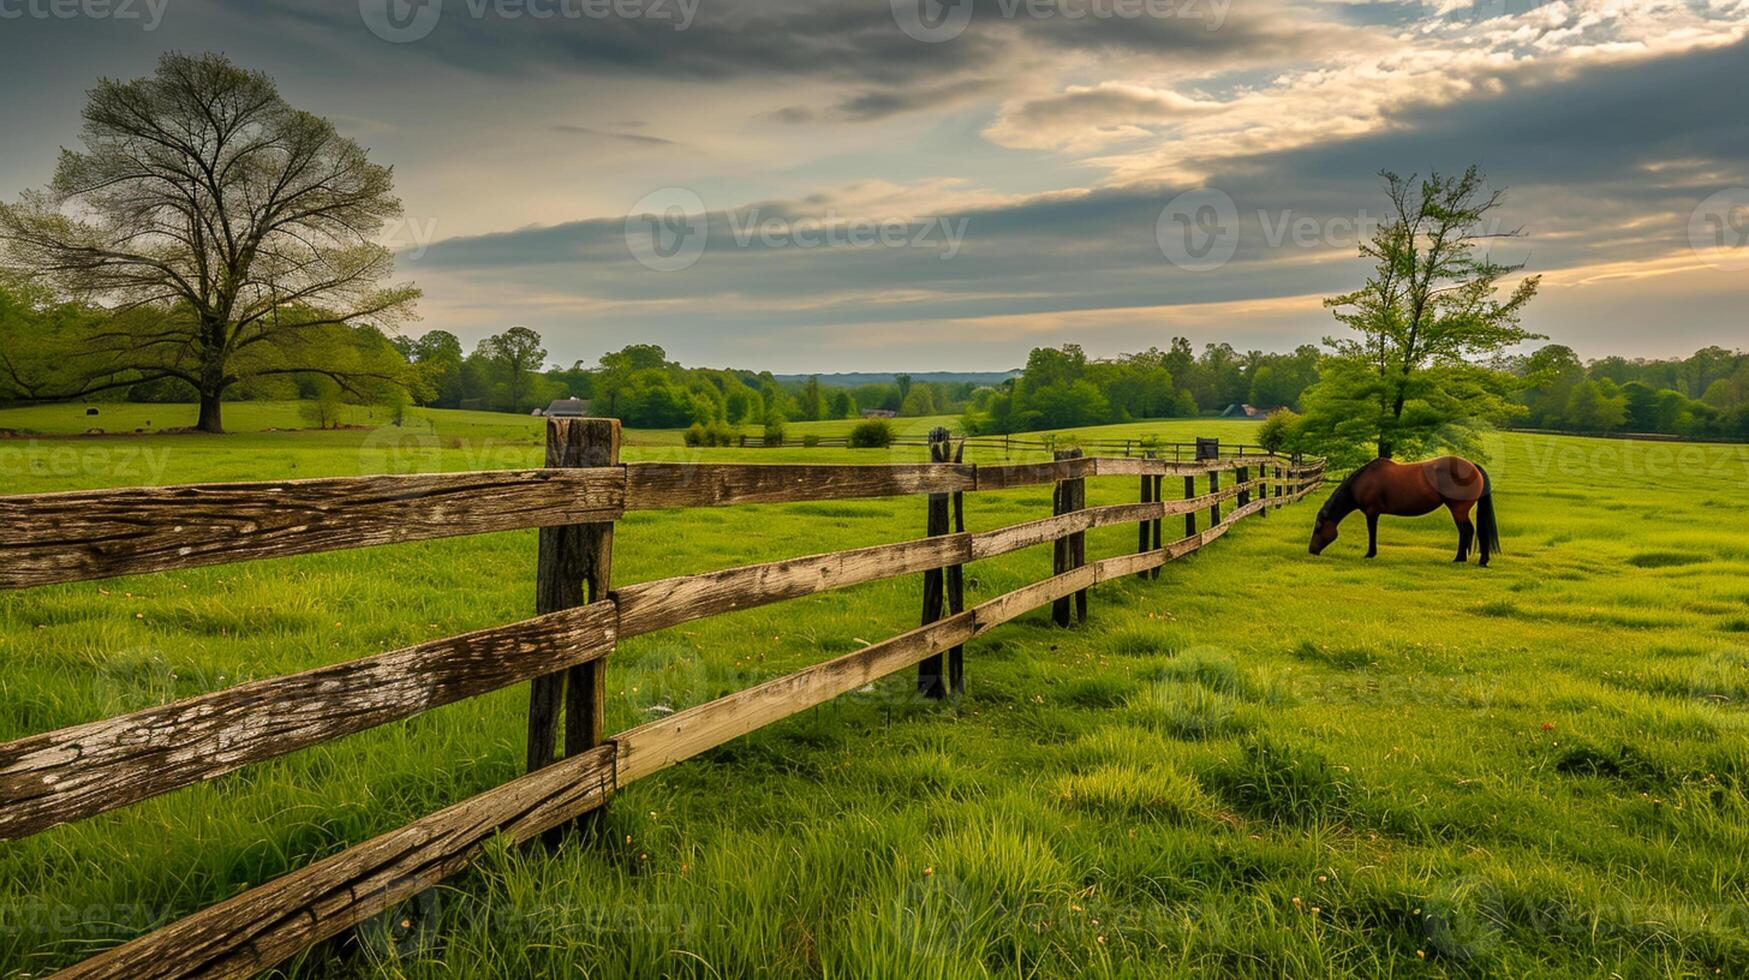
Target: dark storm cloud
(1575, 150)
(857, 42)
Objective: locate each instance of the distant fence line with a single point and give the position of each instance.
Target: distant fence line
(78, 772)
(1009, 444)
(1636, 436)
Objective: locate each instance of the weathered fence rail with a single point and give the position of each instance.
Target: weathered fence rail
(83, 770)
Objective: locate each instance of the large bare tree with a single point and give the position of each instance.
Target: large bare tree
(224, 234)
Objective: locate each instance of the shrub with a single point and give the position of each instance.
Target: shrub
(715, 434)
(1278, 431)
(871, 434)
(774, 432)
(810, 440)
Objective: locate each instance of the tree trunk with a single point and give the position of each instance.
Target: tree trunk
(209, 413)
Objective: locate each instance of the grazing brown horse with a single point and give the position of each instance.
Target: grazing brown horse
(1411, 490)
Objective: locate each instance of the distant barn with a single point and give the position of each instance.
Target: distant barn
(565, 408)
(1237, 411)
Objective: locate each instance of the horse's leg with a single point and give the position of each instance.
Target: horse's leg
(1460, 514)
(1372, 534)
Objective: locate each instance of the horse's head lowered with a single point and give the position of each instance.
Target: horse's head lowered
(1324, 531)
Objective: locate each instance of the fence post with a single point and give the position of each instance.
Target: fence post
(574, 567)
(1159, 494)
(1144, 529)
(1242, 476)
(929, 671)
(1189, 515)
(1071, 549)
(1210, 450)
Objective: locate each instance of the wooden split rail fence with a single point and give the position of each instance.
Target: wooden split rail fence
(74, 773)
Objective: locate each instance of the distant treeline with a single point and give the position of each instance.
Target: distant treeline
(1059, 386)
(1706, 394)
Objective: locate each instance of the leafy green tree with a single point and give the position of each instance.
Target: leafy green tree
(231, 236)
(1596, 407)
(921, 401)
(1552, 372)
(812, 400)
(437, 356)
(840, 404)
(517, 354)
(1430, 306)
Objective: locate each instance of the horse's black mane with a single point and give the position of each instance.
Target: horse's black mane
(1341, 503)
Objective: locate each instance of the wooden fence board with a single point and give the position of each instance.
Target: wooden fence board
(1004, 476)
(651, 606)
(1001, 541)
(656, 486)
(656, 745)
(87, 769)
(252, 931)
(65, 537)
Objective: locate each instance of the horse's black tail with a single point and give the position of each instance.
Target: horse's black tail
(1487, 528)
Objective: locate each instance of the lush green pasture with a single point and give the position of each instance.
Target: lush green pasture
(1259, 764)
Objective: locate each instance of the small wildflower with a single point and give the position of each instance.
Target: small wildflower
(1296, 901)
(929, 871)
(1422, 953)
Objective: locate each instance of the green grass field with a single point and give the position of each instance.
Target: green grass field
(1260, 764)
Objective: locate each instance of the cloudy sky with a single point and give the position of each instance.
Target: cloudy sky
(824, 185)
